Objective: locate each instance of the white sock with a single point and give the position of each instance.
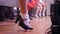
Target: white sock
(26, 16)
(40, 15)
(43, 14)
(37, 16)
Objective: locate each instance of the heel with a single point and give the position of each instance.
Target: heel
(18, 18)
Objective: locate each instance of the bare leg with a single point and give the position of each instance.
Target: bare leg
(37, 11)
(23, 6)
(44, 9)
(24, 12)
(40, 12)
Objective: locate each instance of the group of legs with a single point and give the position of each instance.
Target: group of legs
(41, 9)
(24, 20)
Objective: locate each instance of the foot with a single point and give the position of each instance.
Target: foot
(26, 26)
(40, 15)
(43, 14)
(36, 16)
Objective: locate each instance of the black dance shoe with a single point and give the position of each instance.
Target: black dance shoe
(18, 18)
(21, 23)
(25, 26)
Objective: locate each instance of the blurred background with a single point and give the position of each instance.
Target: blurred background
(48, 22)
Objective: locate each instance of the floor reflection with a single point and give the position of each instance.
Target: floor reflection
(40, 26)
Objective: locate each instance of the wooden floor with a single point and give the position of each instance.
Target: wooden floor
(40, 26)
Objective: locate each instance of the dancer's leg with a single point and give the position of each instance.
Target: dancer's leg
(24, 12)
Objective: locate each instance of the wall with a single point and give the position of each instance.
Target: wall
(11, 3)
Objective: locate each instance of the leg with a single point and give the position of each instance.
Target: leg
(24, 14)
(44, 10)
(37, 11)
(30, 14)
(40, 12)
